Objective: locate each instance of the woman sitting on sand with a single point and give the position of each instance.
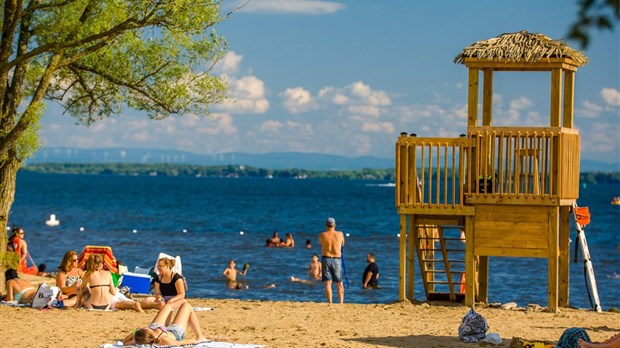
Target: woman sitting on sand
(19, 290)
(98, 284)
(172, 334)
(69, 277)
(169, 286)
(98, 291)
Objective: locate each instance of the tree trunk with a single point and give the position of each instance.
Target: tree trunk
(8, 175)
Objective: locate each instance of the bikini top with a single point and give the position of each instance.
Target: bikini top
(98, 285)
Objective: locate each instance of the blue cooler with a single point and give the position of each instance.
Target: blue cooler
(136, 282)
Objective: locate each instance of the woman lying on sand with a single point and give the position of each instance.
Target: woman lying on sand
(19, 290)
(173, 334)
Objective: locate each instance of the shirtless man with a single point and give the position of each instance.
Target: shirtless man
(331, 246)
(231, 273)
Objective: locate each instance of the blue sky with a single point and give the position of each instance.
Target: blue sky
(346, 77)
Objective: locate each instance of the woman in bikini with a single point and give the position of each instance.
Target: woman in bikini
(19, 290)
(172, 334)
(69, 277)
(98, 283)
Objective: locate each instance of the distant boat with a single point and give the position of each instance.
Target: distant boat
(615, 201)
(52, 221)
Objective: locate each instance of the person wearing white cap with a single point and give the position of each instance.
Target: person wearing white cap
(332, 242)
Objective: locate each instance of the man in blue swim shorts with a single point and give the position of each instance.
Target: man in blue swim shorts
(331, 246)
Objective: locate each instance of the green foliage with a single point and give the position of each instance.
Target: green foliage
(233, 171)
(598, 14)
(9, 259)
(600, 178)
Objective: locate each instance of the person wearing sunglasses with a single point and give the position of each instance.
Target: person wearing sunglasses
(69, 277)
(18, 245)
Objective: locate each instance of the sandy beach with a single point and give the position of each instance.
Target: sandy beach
(303, 324)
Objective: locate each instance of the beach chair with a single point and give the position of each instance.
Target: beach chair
(109, 261)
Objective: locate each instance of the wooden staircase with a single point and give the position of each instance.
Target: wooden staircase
(441, 257)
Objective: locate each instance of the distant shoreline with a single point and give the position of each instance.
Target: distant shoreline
(239, 171)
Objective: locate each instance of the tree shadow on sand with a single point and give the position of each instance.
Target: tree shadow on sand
(418, 341)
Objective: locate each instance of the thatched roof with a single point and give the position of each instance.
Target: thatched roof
(512, 47)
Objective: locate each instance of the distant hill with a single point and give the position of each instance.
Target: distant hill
(273, 160)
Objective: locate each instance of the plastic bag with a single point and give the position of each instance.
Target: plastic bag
(473, 327)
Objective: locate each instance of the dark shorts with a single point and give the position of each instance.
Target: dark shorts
(332, 269)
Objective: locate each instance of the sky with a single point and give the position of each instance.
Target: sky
(347, 77)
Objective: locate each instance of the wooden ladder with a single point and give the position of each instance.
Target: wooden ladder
(434, 250)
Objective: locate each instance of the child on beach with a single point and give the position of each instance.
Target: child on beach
(171, 335)
(231, 274)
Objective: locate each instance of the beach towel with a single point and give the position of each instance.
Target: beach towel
(14, 304)
(473, 327)
(109, 261)
(208, 344)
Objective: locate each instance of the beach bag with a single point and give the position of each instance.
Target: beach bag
(570, 337)
(45, 296)
(473, 327)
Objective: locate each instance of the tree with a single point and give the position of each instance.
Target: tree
(96, 57)
(600, 14)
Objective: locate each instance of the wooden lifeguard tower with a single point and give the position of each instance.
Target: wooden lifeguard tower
(511, 189)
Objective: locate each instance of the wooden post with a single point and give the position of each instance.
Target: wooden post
(556, 98)
(470, 265)
(402, 257)
(483, 279)
(411, 258)
(553, 256)
(487, 98)
(569, 98)
(472, 98)
(564, 264)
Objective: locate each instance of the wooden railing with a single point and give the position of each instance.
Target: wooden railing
(430, 172)
(523, 163)
(490, 165)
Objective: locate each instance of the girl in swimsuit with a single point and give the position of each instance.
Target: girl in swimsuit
(171, 335)
(19, 290)
(98, 283)
(69, 277)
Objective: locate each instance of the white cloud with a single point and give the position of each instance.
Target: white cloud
(271, 126)
(296, 100)
(368, 96)
(229, 64)
(611, 96)
(521, 103)
(223, 125)
(588, 109)
(247, 95)
(364, 110)
(310, 7)
(383, 127)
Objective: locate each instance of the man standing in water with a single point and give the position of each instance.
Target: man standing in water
(332, 242)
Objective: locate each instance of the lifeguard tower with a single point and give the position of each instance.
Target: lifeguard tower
(509, 189)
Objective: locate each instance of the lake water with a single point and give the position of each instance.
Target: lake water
(200, 219)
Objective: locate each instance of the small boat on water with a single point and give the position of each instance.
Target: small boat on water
(615, 201)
